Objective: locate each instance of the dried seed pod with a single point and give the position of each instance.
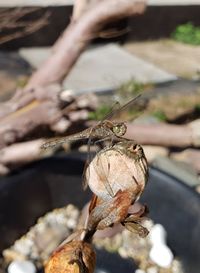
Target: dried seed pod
(73, 257)
(120, 167)
(117, 176)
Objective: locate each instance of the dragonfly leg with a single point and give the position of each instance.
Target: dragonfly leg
(112, 139)
(105, 139)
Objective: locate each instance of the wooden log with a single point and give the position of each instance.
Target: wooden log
(161, 134)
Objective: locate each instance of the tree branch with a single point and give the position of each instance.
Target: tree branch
(78, 35)
(167, 135)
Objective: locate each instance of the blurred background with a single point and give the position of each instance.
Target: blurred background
(63, 65)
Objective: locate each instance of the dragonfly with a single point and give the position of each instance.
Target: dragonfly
(104, 130)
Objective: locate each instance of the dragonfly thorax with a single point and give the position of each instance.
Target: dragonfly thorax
(119, 129)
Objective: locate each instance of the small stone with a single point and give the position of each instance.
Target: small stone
(152, 270)
(122, 252)
(139, 271)
(78, 115)
(161, 255)
(158, 235)
(71, 223)
(177, 266)
(11, 255)
(67, 95)
(61, 126)
(21, 267)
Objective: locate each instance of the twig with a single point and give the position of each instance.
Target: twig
(9, 20)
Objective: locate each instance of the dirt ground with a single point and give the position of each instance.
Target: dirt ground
(177, 58)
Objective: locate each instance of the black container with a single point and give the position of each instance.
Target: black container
(55, 182)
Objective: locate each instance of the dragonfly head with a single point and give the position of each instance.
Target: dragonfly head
(119, 129)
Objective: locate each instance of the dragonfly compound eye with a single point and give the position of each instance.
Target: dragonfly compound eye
(119, 129)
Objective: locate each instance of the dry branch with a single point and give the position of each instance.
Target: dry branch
(21, 152)
(12, 20)
(80, 6)
(48, 113)
(165, 135)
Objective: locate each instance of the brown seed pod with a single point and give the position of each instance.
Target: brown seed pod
(73, 257)
(120, 167)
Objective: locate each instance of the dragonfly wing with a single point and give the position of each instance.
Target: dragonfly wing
(117, 110)
(104, 174)
(116, 106)
(88, 160)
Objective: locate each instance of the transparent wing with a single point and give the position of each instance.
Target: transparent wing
(87, 163)
(117, 110)
(114, 109)
(104, 173)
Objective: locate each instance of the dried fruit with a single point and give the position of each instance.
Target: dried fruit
(120, 167)
(73, 257)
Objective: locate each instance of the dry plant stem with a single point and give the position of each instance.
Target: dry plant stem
(17, 125)
(49, 110)
(163, 135)
(80, 7)
(21, 152)
(28, 29)
(9, 20)
(35, 115)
